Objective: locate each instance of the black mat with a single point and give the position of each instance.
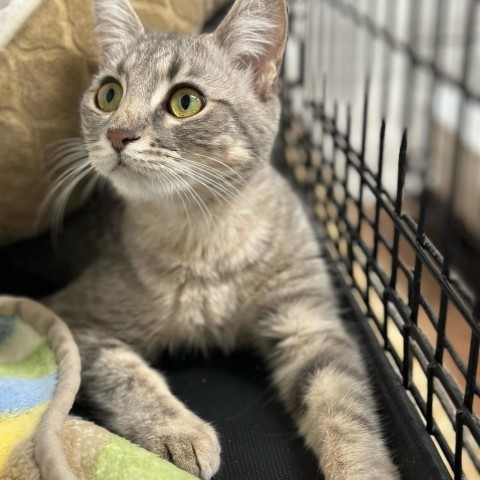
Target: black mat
(257, 437)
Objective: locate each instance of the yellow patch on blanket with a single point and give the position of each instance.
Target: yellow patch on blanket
(16, 428)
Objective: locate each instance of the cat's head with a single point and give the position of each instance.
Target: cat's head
(167, 113)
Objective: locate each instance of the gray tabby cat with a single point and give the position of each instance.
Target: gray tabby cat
(214, 248)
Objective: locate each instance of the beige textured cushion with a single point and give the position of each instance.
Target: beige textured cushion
(43, 71)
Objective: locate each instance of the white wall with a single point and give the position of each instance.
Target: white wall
(346, 53)
(12, 15)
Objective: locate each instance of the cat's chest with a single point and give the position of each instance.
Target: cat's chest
(201, 301)
(195, 308)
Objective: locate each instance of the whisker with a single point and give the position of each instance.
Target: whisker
(211, 186)
(64, 179)
(60, 150)
(171, 175)
(62, 141)
(72, 155)
(63, 165)
(199, 201)
(216, 194)
(228, 167)
(62, 200)
(213, 174)
(90, 187)
(69, 166)
(222, 187)
(61, 181)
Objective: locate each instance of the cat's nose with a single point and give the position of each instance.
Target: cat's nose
(120, 138)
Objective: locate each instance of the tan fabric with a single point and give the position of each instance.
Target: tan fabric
(43, 72)
(82, 441)
(22, 463)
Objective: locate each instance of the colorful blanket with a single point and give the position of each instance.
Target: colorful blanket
(39, 378)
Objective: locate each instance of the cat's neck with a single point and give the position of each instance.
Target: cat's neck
(234, 232)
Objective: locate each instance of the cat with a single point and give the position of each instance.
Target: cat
(214, 249)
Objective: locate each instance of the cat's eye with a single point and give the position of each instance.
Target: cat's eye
(185, 102)
(109, 96)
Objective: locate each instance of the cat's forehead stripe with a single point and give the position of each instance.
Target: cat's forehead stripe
(174, 68)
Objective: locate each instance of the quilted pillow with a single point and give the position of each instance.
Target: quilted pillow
(48, 51)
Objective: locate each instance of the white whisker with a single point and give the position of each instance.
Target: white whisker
(69, 166)
(62, 200)
(199, 201)
(59, 149)
(228, 167)
(214, 179)
(210, 185)
(66, 140)
(79, 157)
(171, 175)
(90, 187)
(61, 182)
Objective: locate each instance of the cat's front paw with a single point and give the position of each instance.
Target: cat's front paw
(191, 444)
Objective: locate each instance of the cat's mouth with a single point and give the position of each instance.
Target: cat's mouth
(122, 161)
(125, 164)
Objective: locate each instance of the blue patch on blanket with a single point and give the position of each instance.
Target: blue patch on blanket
(18, 394)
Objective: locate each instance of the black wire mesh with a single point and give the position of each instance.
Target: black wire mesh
(422, 313)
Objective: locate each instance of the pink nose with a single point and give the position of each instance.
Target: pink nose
(120, 138)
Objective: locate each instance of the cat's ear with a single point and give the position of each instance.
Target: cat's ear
(255, 33)
(117, 25)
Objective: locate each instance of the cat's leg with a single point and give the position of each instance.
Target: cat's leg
(133, 400)
(323, 382)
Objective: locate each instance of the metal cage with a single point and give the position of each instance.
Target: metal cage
(360, 77)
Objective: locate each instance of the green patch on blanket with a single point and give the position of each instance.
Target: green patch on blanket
(121, 460)
(37, 364)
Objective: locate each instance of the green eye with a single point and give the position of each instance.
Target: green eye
(185, 102)
(109, 96)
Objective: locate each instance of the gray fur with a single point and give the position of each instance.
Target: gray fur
(213, 249)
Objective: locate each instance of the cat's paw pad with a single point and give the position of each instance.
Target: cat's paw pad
(191, 445)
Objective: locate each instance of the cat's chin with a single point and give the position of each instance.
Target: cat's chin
(139, 187)
(136, 191)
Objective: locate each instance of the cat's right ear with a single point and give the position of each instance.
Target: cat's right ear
(254, 32)
(117, 25)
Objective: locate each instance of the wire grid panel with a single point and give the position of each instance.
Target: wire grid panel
(407, 289)
(423, 60)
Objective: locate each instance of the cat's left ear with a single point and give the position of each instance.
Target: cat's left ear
(255, 33)
(117, 25)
